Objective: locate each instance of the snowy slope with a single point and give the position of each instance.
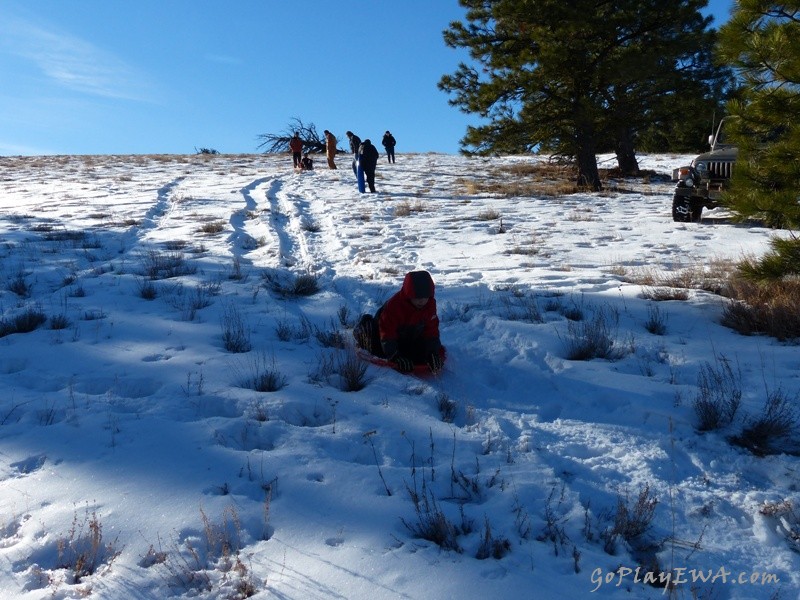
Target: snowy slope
(132, 443)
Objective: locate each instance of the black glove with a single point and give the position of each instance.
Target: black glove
(435, 362)
(404, 365)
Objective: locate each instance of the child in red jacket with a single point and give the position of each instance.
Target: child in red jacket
(405, 330)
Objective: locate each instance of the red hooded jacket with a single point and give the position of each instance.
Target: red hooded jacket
(406, 328)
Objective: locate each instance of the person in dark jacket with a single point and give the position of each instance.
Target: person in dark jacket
(355, 144)
(405, 330)
(389, 143)
(306, 164)
(368, 159)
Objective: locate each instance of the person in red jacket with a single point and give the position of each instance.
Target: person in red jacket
(296, 146)
(405, 330)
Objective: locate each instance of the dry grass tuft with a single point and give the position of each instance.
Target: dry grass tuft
(713, 276)
(755, 308)
(771, 308)
(524, 179)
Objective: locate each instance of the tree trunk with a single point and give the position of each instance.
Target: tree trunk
(588, 176)
(626, 155)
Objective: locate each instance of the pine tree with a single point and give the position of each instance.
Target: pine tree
(662, 74)
(762, 42)
(574, 77)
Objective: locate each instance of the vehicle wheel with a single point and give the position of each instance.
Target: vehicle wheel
(696, 209)
(681, 209)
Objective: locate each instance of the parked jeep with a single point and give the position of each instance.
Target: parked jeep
(701, 183)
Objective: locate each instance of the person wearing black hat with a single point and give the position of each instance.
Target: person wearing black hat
(389, 143)
(405, 330)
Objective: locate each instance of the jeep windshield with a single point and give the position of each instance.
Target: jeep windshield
(751, 130)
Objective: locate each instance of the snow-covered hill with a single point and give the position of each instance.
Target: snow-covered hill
(133, 447)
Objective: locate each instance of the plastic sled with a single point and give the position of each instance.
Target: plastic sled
(421, 369)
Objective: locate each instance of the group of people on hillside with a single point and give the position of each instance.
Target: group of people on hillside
(364, 153)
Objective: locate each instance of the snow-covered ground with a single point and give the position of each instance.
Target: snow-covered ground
(132, 444)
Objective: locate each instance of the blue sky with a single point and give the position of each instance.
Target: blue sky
(156, 76)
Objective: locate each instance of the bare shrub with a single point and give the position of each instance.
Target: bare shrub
(165, 265)
(447, 407)
(656, 321)
(235, 331)
(713, 276)
(28, 320)
(368, 437)
(176, 244)
(746, 319)
(146, 288)
(631, 521)
(286, 331)
(524, 179)
(236, 271)
(594, 338)
(283, 330)
(488, 214)
(530, 247)
(200, 296)
(572, 312)
(775, 430)
(262, 375)
(522, 307)
(662, 294)
(19, 286)
(58, 322)
(212, 564)
(324, 369)
(402, 209)
(310, 225)
(82, 551)
(431, 523)
(303, 284)
(212, 227)
(25, 322)
(343, 313)
(331, 338)
(491, 546)
(352, 372)
(766, 307)
(555, 519)
(719, 395)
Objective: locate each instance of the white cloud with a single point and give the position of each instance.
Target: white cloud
(74, 63)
